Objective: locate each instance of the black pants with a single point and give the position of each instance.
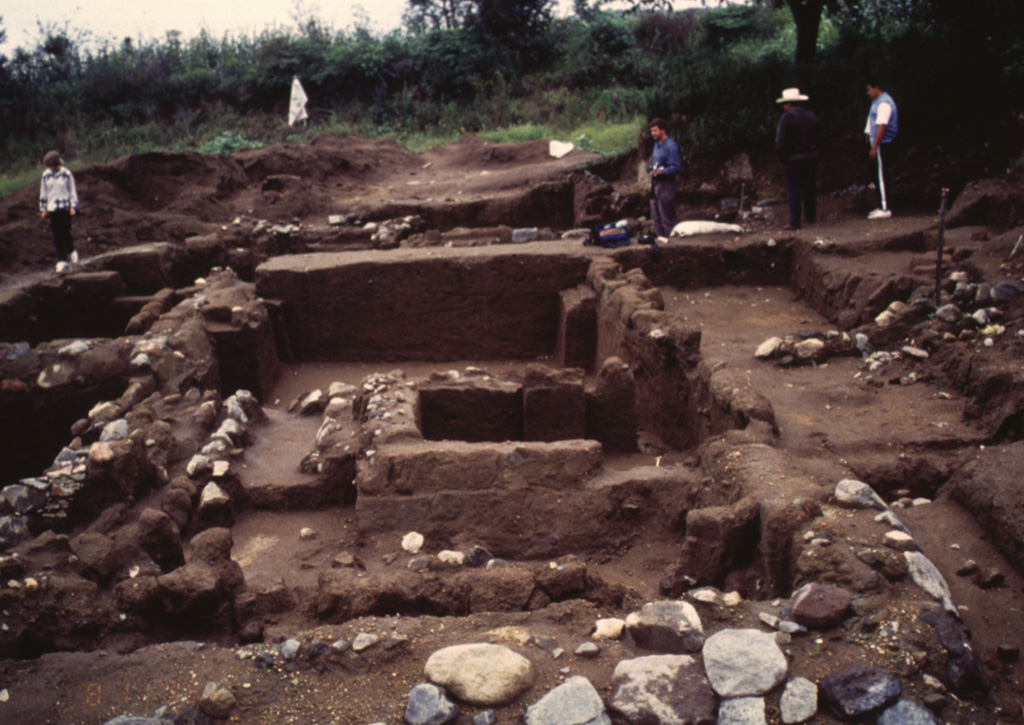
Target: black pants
(802, 190)
(60, 225)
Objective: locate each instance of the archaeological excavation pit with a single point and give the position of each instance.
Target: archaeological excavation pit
(594, 424)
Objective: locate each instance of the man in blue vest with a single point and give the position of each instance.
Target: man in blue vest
(881, 129)
(664, 167)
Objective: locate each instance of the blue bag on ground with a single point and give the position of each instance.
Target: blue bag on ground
(608, 236)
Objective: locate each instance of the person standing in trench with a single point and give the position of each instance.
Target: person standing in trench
(881, 130)
(796, 141)
(664, 168)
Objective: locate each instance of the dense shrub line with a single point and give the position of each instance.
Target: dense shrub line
(715, 71)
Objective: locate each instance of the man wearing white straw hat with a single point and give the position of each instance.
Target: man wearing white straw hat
(796, 141)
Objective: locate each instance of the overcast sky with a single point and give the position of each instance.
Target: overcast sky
(117, 19)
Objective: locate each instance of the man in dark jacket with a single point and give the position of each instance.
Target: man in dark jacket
(664, 167)
(796, 140)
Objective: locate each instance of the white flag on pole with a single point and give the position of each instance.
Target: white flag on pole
(297, 107)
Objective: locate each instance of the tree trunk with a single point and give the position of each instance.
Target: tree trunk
(806, 17)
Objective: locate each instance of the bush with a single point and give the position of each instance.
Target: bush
(228, 142)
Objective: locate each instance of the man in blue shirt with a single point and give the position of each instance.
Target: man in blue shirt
(664, 167)
(880, 130)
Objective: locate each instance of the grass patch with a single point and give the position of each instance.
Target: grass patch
(10, 183)
(607, 139)
(519, 133)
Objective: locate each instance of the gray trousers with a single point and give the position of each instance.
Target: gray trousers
(663, 206)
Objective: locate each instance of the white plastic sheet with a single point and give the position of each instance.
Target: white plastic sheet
(297, 106)
(558, 149)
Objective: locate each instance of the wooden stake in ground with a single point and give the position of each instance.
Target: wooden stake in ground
(938, 259)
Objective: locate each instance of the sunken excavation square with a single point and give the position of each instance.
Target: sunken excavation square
(309, 460)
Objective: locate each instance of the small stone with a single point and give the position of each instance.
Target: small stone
(949, 313)
(900, 541)
(477, 556)
(857, 494)
(768, 348)
(307, 533)
(340, 646)
(216, 701)
(487, 717)
(419, 563)
(907, 712)
(989, 578)
(707, 595)
(820, 606)
(610, 628)
(968, 568)
(429, 705)
(363, 641)
(290, 649)
(344, 559)
(454, 558)
(590, 650)
(742, 711)
(412, 542)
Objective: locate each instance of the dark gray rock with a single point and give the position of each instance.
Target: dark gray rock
(667, 626)
(23, 499)
(860, 690)
(429, 705)
(477, 556)
(487, 717)
(316, 648)
(13, 530)
(907, 712)
(1005, 292)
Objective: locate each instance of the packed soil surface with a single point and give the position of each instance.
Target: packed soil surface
(836, 418)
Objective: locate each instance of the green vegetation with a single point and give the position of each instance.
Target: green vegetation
(227, 142)
(510, 71)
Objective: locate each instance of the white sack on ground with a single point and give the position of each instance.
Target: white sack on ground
(688, 229)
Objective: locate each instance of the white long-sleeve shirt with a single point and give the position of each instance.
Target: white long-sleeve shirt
(57, 191)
